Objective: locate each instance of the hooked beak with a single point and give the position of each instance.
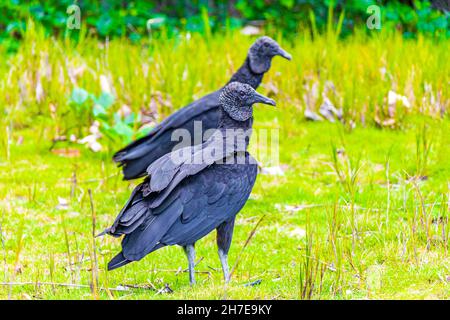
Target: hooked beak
(284, 54)
(259, 98)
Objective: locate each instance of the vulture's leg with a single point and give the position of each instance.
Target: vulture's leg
(224, 236)
(190, 253)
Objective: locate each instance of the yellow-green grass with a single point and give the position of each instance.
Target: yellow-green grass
(359, 213)
(165, 74)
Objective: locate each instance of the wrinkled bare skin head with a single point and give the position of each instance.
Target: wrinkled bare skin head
(238, 98)
(261, 53)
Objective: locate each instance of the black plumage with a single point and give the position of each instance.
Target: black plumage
(192, 191)
(137, 156)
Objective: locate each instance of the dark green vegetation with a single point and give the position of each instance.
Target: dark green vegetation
(135, 19)
(362, 210)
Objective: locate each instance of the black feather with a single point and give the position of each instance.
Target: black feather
(117, 262)
(136, 157)
(180, 202)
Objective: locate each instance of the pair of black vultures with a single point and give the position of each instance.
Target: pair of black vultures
(181, 200)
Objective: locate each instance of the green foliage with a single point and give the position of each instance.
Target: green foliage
(421, 19)
(136, 19)
(114, 126)
(115, 18)
(79, 96)
(290, 15)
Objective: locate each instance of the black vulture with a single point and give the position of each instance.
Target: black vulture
(192, 191)
(137, 156)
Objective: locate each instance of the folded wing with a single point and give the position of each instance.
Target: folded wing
(137, 156)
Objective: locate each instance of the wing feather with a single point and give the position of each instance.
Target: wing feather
(144, 239)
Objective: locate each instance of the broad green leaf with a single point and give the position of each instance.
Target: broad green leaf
(287, 3)
(105, 100)
(131, 119)
(98, 110)
(79, 95)
(123, 130)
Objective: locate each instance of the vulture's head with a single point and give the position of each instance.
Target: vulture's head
(261, 53)
(237, 100)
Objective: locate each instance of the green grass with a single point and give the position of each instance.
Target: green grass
(361, 212)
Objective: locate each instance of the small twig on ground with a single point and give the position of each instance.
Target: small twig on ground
(56, 140)
(149, 286)
(187, 269)
(55, 284)
(253, 283)
(165, 289)
(214, 269)
(356, 207)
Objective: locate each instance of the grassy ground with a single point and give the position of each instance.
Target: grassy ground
(361, 211)
(384, 235)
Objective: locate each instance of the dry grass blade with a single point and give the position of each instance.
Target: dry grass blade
(67, 285)
(187, 269)
(250, 236)
(94, 264)
(5, 263)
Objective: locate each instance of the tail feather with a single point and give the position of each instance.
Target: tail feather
(101, 234)
(136, 149)
(118, 261)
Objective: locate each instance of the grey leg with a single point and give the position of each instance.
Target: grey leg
(190, 253)
(224, 236)
(224, 261)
